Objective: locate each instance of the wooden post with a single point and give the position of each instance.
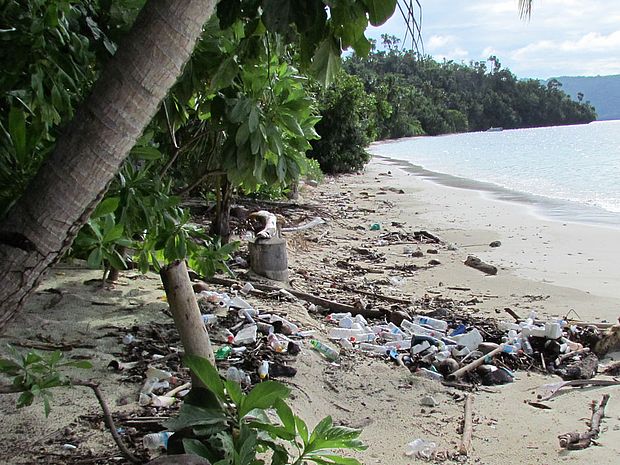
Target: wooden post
(268, 258)
(186, 313)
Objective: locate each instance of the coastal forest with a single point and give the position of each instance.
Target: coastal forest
(395, 92)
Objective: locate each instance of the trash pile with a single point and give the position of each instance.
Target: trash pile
(253, 346)
(436, 349)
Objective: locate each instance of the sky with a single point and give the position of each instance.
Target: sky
(562, 37)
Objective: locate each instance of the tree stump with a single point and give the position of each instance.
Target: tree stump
(268, 258)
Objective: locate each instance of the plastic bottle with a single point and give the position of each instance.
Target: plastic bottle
(417, 329)
(344, 333)
(223, 353)
(429, 374)
(432, 322)
(336, 317)
(156, 441)
(421, 448)
(471, 340)
(263, 369)
(287, 326)
(236, 375)
(527, 347)
(276, 344)
(209, 319)
(419, 348)
(399, 345)
(373, 348)
(328, 352)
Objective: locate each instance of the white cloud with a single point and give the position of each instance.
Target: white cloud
(562, 37)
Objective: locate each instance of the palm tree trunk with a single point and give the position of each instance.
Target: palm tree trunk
(43, 223)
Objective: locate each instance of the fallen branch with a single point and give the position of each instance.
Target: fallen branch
(465, 446)
(63, 346)
(330, 304)
(576, 441)
(550, 390)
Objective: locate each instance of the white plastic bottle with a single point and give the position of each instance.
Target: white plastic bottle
(420, 330)
(432, 322)
(156, 441)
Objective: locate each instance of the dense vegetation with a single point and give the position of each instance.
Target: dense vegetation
(398, 93)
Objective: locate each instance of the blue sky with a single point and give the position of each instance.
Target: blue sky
(562, 38)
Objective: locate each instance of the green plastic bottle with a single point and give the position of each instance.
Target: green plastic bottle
(328, 352)
(223, 353)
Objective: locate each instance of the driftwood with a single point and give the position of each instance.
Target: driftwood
(475, 262)
(465, 446)
(330, 304)
(475, 364)
(550, 390)
(585, 368)
(576, 441)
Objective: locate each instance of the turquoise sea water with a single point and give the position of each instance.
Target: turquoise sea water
(570, 173)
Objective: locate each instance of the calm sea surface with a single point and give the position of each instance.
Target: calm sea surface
(568, 172)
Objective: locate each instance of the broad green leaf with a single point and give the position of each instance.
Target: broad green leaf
(191, 415)
(274, 430)
(17, 130)
(196, 447)
(362, 46)
(253, 118)
(114, 233)
(225, 74)
(326, 61)
(107, 205)
(202, 368)
(234, 391)
(247, 451)
(95, 258)
(286, 415)
(330, 458)
(379, 11)
(115, 259)
(328, 436)
(302, 428)
(292, 124)
(146, 152)
(242, 134)
(263, 396)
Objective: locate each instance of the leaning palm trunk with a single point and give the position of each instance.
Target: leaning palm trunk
(43, 223)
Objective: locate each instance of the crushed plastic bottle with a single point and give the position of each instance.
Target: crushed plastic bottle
(223, 353)
(421, 448)
(236, 375)
(276, 344)
(328, 352)
(247, 335)
(413, 328)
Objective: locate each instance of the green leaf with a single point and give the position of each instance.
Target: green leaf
(292, 124)
(327, 458)
(328, 436)
(202, 368)
(247, 451)
(146, 152)
(225, 74)
(191, 415)
(286, 415)
(362, 46)
(95, 258)
(263, 396)
(9, 367)
(253, 119)
(25, 399)
(326, 61)
(114, 233)
(234, 391)
(196, 447)
(85, 364)
(17, 130)
(273, 430)
(242, 134)
(106, 206)
(302, 428)
(379, 11)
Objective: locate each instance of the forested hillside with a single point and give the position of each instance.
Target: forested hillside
(601, 91)
(415, 94)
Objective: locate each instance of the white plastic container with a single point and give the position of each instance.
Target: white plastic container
(247, 335)
(344, 333)
(471, 339)
(553, 330)
(373, 349)
(413, 328)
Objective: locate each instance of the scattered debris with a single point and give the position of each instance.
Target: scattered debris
(576, 441)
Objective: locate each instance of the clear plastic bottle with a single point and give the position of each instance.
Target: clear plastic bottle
(432, 322)
(276, 344)
(209, 319)
(344, 333)
(328, 352)
(155, 441)
(373, 348)
(336, 317)
(421, 448)
(417, 329)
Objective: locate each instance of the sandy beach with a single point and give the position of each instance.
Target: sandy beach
(546, 266)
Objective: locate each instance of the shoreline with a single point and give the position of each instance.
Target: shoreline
(566, 254)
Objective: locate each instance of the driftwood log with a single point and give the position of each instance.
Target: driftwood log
(329, 304)
(475, 364)
(576, 441)
(475, 262)
(465, 446)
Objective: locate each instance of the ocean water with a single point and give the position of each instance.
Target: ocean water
(569, 173)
